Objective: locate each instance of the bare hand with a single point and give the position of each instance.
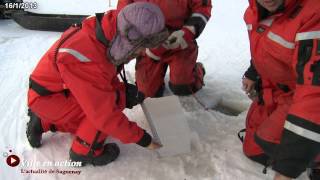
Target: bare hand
(154, 146)
(247, 85)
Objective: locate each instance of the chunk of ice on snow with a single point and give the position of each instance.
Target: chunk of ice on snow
(168, 125)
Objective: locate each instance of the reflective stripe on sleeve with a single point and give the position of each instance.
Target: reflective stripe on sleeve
(204, 18)
(152, 55)
(75, 53)
(278, 39)
(308, 35)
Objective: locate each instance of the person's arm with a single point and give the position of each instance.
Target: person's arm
(201, 13)
(304, 109)
(249, 80)
(92, 85)
(302, 125)
(193, 27)
(251, 72)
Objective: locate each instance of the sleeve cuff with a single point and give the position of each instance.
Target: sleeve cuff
(145, 140)
(199, 21)
(250, 75)
(251, 72)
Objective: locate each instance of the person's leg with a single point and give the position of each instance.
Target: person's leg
(269, 133)
(294, 154)
(150, 76)
(56, 113)
(65, 114)
(186, 75)
(88, 146)
(257, 114)
(86, 137)
(58, 110)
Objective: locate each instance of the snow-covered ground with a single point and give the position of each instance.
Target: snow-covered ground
(216, 150)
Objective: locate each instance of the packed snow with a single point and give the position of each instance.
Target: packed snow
(216, 152)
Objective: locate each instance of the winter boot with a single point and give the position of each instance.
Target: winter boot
(34, 130)
(110, 152)
(199, 72)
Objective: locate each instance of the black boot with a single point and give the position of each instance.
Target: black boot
(34, 130)
(110, 153)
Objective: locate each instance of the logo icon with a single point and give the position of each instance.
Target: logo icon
(13, 160)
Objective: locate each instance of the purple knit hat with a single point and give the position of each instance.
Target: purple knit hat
(139, 25)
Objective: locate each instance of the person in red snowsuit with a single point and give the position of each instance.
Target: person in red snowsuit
(283, 122)
(75, 88)
(185, 21)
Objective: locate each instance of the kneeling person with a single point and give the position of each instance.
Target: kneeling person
(75, 87)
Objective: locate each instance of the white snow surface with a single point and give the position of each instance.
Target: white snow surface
(216, 150)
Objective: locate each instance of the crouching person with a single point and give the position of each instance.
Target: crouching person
(283, 123)
(185, 20)
(75, 87)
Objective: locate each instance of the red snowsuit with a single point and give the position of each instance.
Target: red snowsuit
(150, 74)
(96, 96)
(285, 51)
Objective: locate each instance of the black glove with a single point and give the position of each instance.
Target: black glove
(133, 96)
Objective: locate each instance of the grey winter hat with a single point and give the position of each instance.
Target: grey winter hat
(139, 25)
